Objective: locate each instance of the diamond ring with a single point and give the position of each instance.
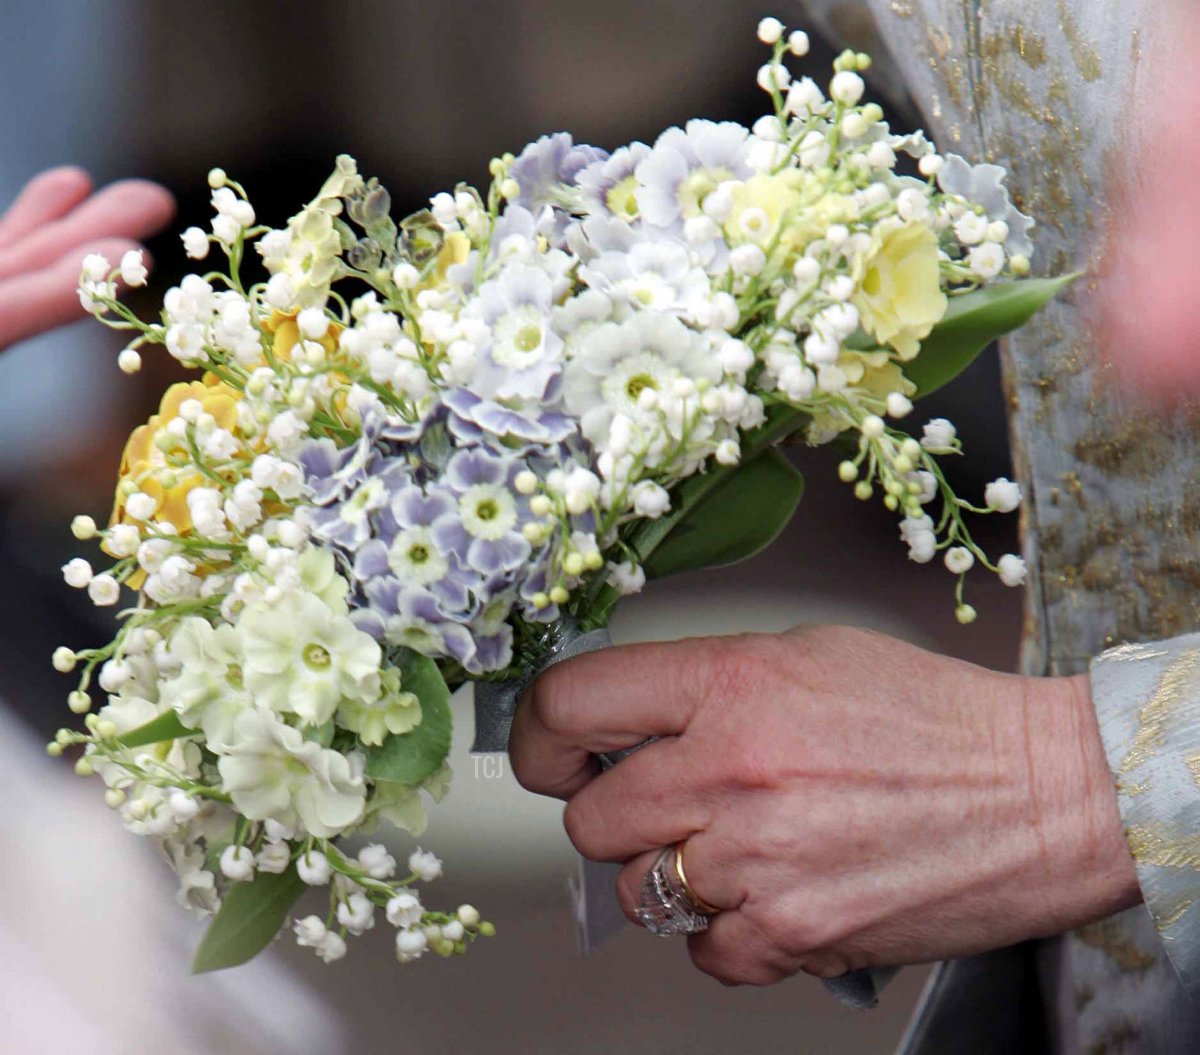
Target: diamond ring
(669, 906)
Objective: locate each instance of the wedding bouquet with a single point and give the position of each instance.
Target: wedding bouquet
(416, 451)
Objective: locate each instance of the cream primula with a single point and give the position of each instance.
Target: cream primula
(271, 772)
(301, 657)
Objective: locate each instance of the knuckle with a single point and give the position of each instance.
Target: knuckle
(731, 967)
(826, 965)
(583, 825)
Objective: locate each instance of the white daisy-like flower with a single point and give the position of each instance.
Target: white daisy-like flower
(303, 658)
(686, 165)
(618, 362)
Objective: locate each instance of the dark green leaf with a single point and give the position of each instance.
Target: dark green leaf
(972, 322)
(248, 920)
(408, 758)
(165, 727)
(733, 522)
(650, 534)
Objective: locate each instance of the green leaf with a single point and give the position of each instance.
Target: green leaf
(320, 734)
(781, 421)
(408, 758)
(165, 727)
(734, 521)
(972, 322)
(249, 918)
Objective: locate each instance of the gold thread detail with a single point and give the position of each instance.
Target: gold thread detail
(1155, 845)
(1152, 718)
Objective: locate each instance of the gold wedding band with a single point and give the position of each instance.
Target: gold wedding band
(698, 903)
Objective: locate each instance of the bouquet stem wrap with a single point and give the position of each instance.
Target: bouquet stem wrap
(597, 914)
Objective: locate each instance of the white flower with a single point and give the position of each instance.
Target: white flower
(959, 560)
(356, 914)
(197, 886)
(650, 500)
(133, 269)
(312, 933)
(123, 540)
(627, 577)
(918, 534)
(140, 506)
(270, 770)
(798, 43)
(332, 948)
(77, 572)
(96, 267)
(912, 204)
(939, 435)
(773, 76)
(971, 228)
(747, 259)
(468, 915)
(183, 806)
(313, 868)
(405, 910)
(424, 865)
(237, 863)
(1002, 495)
(376, 861)
(804, 98)
(928, 482)
(770, 30)
(898, 405)
(64, 660)
(987, 261)
(195, 243)
(847, 88)
(728, 452)
(304, 658)
(1012, 570)
(405, 276)
(129, 361)
(208, 693)
(274, 857)
(104, 590)
(410, 944)
(313, 323)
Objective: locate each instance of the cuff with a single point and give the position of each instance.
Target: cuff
(1147, 700)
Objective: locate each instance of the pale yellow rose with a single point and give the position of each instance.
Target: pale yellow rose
(143, 458)
(899, 297)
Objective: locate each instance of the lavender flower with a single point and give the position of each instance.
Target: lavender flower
(546, 169)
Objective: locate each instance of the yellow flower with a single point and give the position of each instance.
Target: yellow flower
(286, 335)
(870, 372)
(143, 458)
(762, 204)
(899, 296)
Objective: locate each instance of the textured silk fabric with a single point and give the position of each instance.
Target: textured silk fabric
(1147, 700)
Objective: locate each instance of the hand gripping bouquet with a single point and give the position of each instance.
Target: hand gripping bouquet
(414, 451)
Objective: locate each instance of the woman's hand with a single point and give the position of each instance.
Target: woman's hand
(848, 800)
(55, 222)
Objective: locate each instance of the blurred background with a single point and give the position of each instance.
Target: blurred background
(93, 949)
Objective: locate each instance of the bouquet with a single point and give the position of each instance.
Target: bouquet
(415, 451)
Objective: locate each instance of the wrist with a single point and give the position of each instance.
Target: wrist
(1081, 837)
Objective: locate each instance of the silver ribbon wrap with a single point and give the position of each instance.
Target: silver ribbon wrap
(598, 914)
